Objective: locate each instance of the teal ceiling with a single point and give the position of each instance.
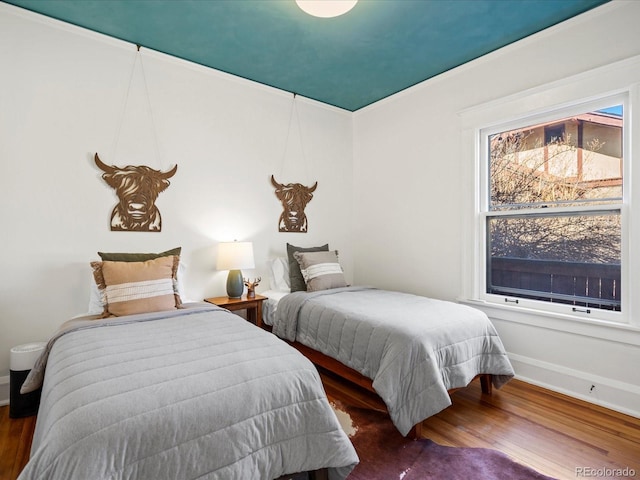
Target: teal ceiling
(377, 49)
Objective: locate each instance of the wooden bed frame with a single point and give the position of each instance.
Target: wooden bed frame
(322, 474)
(351, 375)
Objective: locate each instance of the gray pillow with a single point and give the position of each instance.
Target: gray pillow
(321, 270)
(295, 276)
(137, 257)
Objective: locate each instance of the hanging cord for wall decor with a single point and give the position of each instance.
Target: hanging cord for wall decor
(304, 155)
(116, 140)
(294, 108)
(286, 140)
(150, 110)
(114, 145)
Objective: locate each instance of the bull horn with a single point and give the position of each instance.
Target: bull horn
(170, 173)
(103, 166)
(275, 184)
(313, 189)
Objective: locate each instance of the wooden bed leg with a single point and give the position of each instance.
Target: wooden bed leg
(485, 383)
(416, 432)
(322, 474)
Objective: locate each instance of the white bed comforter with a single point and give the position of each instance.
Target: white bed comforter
(413, 348)
(189, 394)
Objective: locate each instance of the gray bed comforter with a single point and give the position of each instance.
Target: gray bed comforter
(197, 393)
(413, 348)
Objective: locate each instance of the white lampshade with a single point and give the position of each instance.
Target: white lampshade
(326, 8)
(235, 256)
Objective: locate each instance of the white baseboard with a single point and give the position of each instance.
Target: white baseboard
(612, 394)
(4, 390)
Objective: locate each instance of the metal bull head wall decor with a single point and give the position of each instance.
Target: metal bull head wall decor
(137, 188)
(294, 198)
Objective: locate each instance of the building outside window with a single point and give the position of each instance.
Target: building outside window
(553, 211)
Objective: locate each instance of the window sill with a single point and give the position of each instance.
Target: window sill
(616, 332)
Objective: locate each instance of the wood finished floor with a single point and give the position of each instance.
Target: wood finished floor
(550, 432)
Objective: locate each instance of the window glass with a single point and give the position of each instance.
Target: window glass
(577, 161)
(553, 225)
(572, 259)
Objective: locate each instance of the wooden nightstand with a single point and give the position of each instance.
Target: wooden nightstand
(253, 306)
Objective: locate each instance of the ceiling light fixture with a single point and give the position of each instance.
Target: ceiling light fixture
(326, 8)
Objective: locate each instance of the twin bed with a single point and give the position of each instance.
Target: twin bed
(410, 350)
(151, 388)
(191, 393)
(194, 391)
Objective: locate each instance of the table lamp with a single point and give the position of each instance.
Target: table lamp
(234, 256)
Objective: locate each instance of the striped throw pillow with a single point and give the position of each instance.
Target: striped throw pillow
(321, 270)
(128, 288)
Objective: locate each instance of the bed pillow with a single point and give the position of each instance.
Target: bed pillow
(137, 257)
(279, 272)
(96, 306)
(128, 288)
(321, 270)
(296, 281)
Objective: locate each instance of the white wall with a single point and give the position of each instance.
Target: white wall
(410, 220)
(62, 96)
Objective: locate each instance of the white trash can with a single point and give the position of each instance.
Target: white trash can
(21, 360)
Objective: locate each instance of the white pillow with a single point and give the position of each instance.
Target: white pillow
(279, 271)
(96, 307)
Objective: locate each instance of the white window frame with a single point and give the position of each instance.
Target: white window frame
(484, 211)
(603, 83)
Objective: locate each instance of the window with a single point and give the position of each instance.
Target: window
(553, 210)
(553, 133)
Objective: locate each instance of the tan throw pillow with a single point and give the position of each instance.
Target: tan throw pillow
(296, 280)
(128, 288)
(321, 270)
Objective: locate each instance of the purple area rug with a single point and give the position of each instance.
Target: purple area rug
(385, 454)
